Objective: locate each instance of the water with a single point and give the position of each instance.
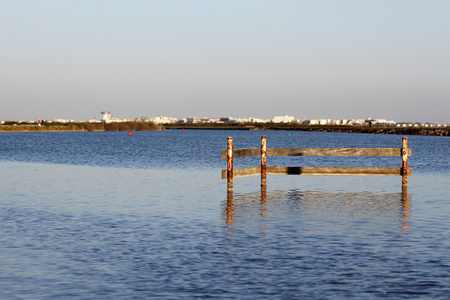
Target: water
(107, 216)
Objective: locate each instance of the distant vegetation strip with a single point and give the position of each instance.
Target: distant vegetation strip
(421, 130)
(80, 126)
(151, 126)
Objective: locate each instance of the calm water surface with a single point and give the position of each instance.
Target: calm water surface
(108, 216)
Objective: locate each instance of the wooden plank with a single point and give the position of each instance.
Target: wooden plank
(253, 171)
(243, 172)
(237, 153)
(336, 152)
(317, 152)
(334, 171)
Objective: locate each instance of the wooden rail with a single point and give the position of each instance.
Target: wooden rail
(263, 170)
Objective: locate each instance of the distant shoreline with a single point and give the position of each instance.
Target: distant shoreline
(81, 127)
(149, 126)
(422, 130)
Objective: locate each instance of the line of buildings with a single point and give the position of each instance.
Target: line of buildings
(291, 119)
(107, 117)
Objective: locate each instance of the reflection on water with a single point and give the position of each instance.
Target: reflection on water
(297, 204)
(229, 207)
(406, 203)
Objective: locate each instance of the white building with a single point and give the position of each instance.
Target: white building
(106, 116)
(283, 119)
(64, 121)
(255, 120)
(356, 122)
(164, 120)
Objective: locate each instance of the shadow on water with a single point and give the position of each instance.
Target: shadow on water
(298, 204)
(334, 244)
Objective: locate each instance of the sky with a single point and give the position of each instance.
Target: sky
(333, 59)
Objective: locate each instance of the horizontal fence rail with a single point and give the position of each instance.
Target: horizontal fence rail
(254, 171)
(263, 170)
(250, 152)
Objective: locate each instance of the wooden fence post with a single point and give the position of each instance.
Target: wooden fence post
(263, 162)
(230, 163)
(404, 161)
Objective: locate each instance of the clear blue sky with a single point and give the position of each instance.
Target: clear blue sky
(310, 59)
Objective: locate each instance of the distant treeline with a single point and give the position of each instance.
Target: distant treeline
(80, 126)
(123, 126)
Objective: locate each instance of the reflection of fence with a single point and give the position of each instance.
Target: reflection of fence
(295, 204)
(263, 170)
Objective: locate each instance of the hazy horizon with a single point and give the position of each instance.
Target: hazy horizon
(308, 59)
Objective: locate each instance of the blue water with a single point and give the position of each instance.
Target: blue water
(101, 215)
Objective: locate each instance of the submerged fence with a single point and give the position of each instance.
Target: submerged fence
(264, 170)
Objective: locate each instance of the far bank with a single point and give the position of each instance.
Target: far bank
(151, 126)
(80, 126)
(422, 130)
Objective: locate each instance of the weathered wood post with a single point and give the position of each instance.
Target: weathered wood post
(230, 163)
(263, 162)
(405, 161)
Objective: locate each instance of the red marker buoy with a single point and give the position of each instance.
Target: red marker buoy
(129, 133)
(183, 129)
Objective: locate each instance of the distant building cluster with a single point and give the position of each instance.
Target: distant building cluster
(106, 117)
(291, 119)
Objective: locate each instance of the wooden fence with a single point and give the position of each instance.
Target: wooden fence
(263, 170)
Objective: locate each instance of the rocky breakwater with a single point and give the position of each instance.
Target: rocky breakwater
(406, 131)
(435, 132)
